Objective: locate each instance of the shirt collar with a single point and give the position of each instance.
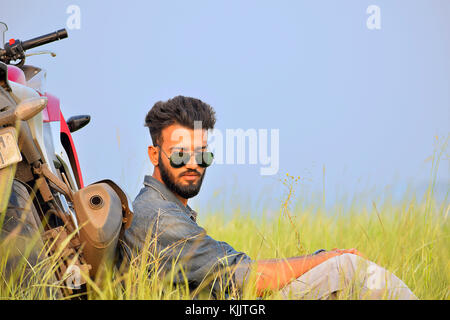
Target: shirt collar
(166, 194)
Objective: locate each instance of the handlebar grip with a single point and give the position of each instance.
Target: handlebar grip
(39, 41)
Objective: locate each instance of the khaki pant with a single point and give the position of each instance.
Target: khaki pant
(347, 276)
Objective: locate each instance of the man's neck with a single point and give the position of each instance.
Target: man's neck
(157, 176)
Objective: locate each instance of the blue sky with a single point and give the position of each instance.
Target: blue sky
(365, 104)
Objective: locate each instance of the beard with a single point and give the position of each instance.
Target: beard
(185, 191)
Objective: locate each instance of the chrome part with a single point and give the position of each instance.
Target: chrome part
(28, 108)
(69, 211)
(3, 29)
(96, 202)
(40, 52)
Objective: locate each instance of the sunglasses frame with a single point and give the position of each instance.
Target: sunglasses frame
(185, 161)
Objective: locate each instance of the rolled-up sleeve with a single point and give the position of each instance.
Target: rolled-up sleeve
(181, 242)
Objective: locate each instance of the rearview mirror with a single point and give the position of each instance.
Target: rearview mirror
(77, 122)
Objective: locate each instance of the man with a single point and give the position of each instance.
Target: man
(180, 157)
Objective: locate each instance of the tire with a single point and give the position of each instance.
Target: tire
(21, 212)
(21, 246)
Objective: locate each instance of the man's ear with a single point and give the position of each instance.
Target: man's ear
(153, 155)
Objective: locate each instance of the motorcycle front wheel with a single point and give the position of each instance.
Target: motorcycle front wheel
(22, 255)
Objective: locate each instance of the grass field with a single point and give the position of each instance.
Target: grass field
(410, 238)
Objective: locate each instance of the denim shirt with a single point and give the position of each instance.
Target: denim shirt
(178, 239)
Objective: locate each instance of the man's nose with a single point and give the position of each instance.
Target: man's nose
(192, 164)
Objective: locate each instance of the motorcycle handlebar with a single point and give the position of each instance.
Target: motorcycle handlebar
(39, 41)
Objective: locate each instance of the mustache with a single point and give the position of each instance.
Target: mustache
(191, 171)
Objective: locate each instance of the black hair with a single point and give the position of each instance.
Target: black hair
(181, 110)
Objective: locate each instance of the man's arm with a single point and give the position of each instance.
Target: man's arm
(274, 274)
(178, 239)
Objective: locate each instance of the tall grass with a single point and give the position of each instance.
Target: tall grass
(410, 238)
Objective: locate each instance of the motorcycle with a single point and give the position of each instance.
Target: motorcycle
(43, 199)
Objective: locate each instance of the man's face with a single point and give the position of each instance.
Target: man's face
(187, 180)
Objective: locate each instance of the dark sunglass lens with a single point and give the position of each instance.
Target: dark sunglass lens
(204, 159)
(179, 159)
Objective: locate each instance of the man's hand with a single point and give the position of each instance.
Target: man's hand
(276, 273)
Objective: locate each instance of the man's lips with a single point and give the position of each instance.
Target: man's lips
(190, 176)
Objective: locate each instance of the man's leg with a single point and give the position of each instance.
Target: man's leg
(347, 274)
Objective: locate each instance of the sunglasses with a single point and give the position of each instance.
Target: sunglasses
(179, 159)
